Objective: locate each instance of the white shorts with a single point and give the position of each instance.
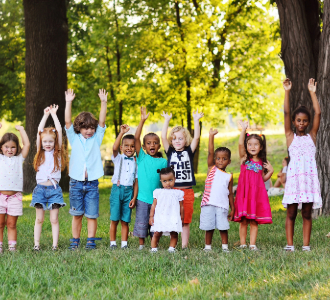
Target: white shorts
(213, 217)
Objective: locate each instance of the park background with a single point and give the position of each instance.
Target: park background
(226, 57)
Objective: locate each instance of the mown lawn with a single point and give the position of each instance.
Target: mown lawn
(193, 274)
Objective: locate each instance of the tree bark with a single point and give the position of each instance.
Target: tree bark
(46, 32)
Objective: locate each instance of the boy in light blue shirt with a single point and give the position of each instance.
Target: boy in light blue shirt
(85, 136)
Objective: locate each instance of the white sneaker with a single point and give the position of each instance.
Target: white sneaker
(253, 248)
(242, 246)
(226, 250)
(306, 248)
(289, 248)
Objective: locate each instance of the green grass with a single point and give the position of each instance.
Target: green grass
(101, 274)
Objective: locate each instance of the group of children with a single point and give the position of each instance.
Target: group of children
(160, 190)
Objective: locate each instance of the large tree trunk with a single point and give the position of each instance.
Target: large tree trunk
(46, 32)
(323, 93)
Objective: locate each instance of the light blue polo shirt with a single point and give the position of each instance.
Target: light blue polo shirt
(85, 153)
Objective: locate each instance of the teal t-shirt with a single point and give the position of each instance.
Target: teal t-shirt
(148, 178)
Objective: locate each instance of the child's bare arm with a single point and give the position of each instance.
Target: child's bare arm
(287, 85)
(42, 125)
(53, 111)
(317, 116)
(152, 212)
(69, 96)
(231, 200)
(25, 140)
(197, 116)
(103, 112)
(167, 118)
(135, 193)
(270, 172)
(137, 136)
(123, 129)
(181, 211)
(241, 148)
(210, 157)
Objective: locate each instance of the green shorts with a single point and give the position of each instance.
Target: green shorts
(119, 203)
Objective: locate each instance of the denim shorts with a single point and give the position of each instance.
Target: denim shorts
(47, 196)
(84, 198)
(120, 198)
(213, 217)
(142, 227)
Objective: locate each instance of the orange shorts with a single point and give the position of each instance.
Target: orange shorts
(188, 204)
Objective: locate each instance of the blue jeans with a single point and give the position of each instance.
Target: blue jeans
(84, 198)
(47, 196)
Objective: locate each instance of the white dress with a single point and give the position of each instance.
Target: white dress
(167, 212)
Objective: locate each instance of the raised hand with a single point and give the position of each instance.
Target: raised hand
(144, 115)
(166, 116)
(197, 115)
(103, 95)
(124, 128)
(19, 127)
(312, 85)
(243, 124)
(53, 109)
(213, 131)
(268, 166)
(287, 84)
(47, 111)
(69, 95)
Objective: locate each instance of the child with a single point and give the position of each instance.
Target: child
(148, 163)
(11, 183)
(125, 186)
(180, 149)
(85, 136)
(218, 195)
(48, 163)
(166, 213)
(302, 184)
(252, 203)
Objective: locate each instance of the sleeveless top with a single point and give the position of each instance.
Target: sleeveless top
(11, 173)
(216, 188)
(45, 171)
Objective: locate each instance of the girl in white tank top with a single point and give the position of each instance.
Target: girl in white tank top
(47, 195)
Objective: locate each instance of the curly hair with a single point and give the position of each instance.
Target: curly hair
(7, 137)
(60, 156)
(166, 171)
(301, 109)
(85, 120)
(185, 132)
(222, 149)
(263, 152)
(150, 134)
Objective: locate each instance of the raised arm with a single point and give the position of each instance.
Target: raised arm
(69, 96)
(123, 129)
(167, 118)
(42, 125)
(103, 112)
(287, 84)
(241, 148)
(210, 157)
(197, 116)
(53, 111)
(25, 140)
(137, 136)
(317, 116)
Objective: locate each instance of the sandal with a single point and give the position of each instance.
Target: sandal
(54, 248)
(75, 244)
(1, 250)
(91, 243)
(36, 248)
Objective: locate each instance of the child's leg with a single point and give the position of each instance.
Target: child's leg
(188, 206)
(91, 227)
(291, 214)
(243, 230)
(306, 213)
(55, 225)
(141, 241)
(155, 239)
(185, 235)
(174, 239)
(40, 216)
(224, 236)
(2, 226)
(113, 230)
(124, 231)
(208, 237)
(11, 227)
(76, 226)
(253, 232)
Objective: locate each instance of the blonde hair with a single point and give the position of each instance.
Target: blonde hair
(186, 134)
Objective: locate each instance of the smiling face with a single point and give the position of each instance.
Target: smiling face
(9, 149)
(253, 147)
(222, 160)
(87, 132)
(179, 140)
(152, 145)
(301, 122)
(48, 142)
(128, 147)
(167, 180)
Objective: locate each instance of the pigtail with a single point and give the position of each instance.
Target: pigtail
(263, 152)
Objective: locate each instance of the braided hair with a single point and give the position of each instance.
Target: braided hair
(166, 171)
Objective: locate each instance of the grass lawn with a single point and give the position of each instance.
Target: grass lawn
(192, 274)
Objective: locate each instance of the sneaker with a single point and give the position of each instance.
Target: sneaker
(113, 247)
(242, 246)
(207, 250)
(141, 247)
(36, 248)
(288, 248)
(226, 250)
(54, 248)
(153, 250)
(253, 248)
(124, 248)
(306, 248)
(171, 250)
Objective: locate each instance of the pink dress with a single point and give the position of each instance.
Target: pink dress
(251, 198)
(302, 182)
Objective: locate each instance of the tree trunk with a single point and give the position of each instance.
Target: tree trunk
(46, 33)
(323, 93)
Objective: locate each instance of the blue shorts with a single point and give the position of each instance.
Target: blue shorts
(142, 227)
(47, 196)
(84, 198)
(120, 198)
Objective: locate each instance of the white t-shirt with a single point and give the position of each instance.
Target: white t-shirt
(46, 170)
(128, 170)
(11, 173)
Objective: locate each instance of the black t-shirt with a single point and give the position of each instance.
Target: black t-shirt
(183, 166)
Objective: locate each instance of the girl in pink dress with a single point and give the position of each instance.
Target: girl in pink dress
(252, 203)
(302, 189)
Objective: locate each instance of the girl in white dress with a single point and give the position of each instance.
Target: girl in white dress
(166, 213)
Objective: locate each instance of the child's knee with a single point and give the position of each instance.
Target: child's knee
(157, 234)
(11, 224)
(54, 220)
(306, 214)
(292, 215)
(39, 220)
